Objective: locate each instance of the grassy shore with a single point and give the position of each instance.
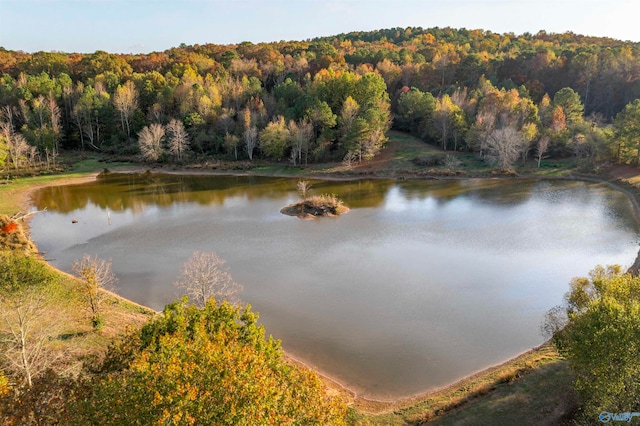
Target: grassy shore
(524, 390)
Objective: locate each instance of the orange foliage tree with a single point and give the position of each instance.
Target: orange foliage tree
(206, 366)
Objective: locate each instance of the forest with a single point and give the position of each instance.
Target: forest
(502, 96)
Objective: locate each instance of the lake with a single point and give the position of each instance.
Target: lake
(421, 283)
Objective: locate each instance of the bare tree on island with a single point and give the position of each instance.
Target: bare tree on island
(204, 276)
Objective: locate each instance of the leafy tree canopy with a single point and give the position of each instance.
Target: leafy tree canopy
(601, 340)
(204, 366)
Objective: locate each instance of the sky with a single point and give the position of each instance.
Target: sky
(142, 26)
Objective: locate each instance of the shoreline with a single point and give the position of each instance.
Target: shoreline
(366, 405)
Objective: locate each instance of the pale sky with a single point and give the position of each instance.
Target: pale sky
(132, 26)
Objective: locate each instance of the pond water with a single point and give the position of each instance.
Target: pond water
(421, 283)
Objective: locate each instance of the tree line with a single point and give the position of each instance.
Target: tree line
(504, 96)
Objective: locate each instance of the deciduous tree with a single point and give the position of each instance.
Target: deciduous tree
(125, 101)
(150, 141)
(300, 138)
(204, 276)
(503, 147)
(541, 148)
(601, 338)
(207, 366)
(178, 139)
(96, 278)
(27, 333)
(274, 138)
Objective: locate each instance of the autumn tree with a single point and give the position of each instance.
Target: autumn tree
(14, 144)
(204, 276)
(209, 365)
(96, 277)
(600, 340)
(443, 118)
(274, 138)
(150, 142)
(348, 114)
(125, 100)
(250, 134)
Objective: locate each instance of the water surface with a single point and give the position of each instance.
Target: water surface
(420, 284)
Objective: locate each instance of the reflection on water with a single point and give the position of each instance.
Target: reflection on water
(421, 283)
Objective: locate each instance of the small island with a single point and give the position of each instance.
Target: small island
(315, 206)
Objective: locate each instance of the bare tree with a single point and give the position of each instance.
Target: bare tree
(178, 139)
(204, 276)
(96, 277)
(300, 135)
(17, 145)
(541, 148)
(26, 333)
(503, 147)
(303, 188)
(250, 140)
(150, 141)
(350, 158)
(56, 128)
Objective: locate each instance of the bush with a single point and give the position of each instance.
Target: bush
(429, 160)
(18, 272)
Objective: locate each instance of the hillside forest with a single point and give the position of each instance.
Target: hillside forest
(505, 97)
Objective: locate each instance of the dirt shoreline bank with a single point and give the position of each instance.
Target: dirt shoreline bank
(361, 402)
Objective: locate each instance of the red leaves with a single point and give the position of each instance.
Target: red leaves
(9, 228)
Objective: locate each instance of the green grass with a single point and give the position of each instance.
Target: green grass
(76, 338)
(12, 191)
(93, 164)
(543, 395)
(278, 169)
(524, 390)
